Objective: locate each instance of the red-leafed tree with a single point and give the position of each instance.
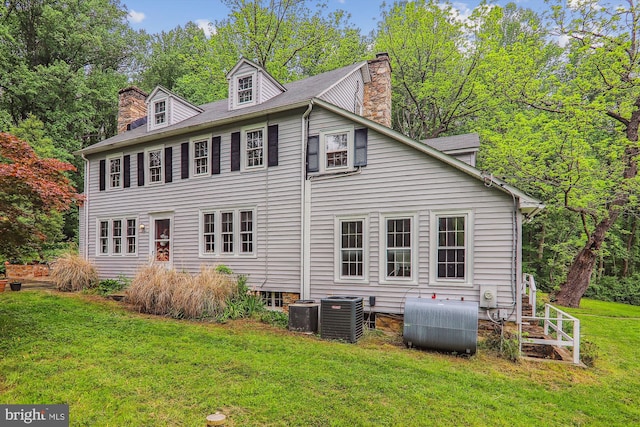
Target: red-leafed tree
(31, 188)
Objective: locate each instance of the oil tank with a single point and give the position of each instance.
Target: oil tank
(442, 325)
(303, 316)
(341, 318)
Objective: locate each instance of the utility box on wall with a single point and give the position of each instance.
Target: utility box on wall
(488, 296)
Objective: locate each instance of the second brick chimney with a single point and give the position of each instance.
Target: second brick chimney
(131, 106)
(377, 93)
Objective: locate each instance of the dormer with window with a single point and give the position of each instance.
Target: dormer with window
(165, 108)
(250, 84)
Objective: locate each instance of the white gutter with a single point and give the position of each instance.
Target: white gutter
(305, 214)
(86, 206)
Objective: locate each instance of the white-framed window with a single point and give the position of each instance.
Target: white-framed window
(200, 153)
(272, 299)
(208, 232)
(398, 235)
(451, 256)
(115, 165)
(245, 92)
(154, 165)
(254, 153)
(227, 232)
(117, 236)
(351, 243)
(336, 150)
(160, 112)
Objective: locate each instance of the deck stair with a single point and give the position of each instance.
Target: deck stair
(547, 336)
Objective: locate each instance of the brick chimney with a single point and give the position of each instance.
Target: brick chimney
(131, 106)
(377, 93)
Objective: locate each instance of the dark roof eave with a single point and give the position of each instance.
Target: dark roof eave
(188, 129)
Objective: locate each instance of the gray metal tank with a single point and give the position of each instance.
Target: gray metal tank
(443, 325)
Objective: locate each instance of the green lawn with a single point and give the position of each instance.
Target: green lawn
(117, 368)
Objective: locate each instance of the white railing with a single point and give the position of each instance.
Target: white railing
(529, 288)
(554, 328)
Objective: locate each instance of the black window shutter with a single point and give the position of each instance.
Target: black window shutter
(272, 142)
(103, 175)
(126, 176)
(235, 151)
(313, 153)
(184, 160)
(140, 169)
(215, 156)
(168, 164)
(360, 137)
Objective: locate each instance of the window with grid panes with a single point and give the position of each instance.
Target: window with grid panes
(398, 248)
(351, 248)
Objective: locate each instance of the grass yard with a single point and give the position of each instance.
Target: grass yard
(117, 368)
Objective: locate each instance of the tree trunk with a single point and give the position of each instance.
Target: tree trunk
(630, 240)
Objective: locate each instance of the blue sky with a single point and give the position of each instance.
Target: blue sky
(161, 15)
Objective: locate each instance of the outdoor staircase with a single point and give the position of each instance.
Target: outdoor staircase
(536, 327)
(532, 329)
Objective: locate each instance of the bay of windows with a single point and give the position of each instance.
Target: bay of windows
(117, 236)
(227, 232)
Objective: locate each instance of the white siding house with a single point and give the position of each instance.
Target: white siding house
(294, 187)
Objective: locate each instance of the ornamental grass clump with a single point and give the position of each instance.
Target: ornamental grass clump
(158, 290)
(73, 273)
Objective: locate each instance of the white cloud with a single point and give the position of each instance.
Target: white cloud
(563, 40)
(206, 26)
(135, 17)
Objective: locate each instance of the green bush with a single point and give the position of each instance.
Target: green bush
(613, 289)
(275, 318)
(504, 343)
(110, 286)
(589, 352)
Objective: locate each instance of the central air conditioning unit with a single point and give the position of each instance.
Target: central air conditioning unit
(303, 316)
(341, 318)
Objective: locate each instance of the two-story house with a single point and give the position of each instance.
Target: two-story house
(304, 188)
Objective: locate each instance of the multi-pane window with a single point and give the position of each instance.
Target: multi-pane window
(246, 231)
(104, 237)
(115, 172)
(351, 248)
(131, 236)
(209, 232)
(398, 247)
(116, 227)
(226, 219)
(336, 150)
(155, 166)
(255, 145)
(451, 247)
(245, 89)
(201, 157)
(272, 299)
(160, 112)
(227, 232)
(117, 236)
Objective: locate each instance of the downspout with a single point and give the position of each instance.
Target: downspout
(86, 207)
(305, 214)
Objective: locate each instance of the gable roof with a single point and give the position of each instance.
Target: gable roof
(243, 61)
(297, 94)
(469, 142)
(528, 205)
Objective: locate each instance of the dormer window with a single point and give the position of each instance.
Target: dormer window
(160, 112)
(245, 89)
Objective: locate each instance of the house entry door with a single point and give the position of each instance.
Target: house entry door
(162, 240)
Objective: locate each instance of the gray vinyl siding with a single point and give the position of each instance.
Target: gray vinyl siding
(399, 179)
(267, 89)
(347, 93)
(274, 192)
(180, 111)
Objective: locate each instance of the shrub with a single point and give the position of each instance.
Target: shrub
(608, 288)
(109, 286)
(275, 318)
(157, 290)
(504, 343)
(73, 273)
